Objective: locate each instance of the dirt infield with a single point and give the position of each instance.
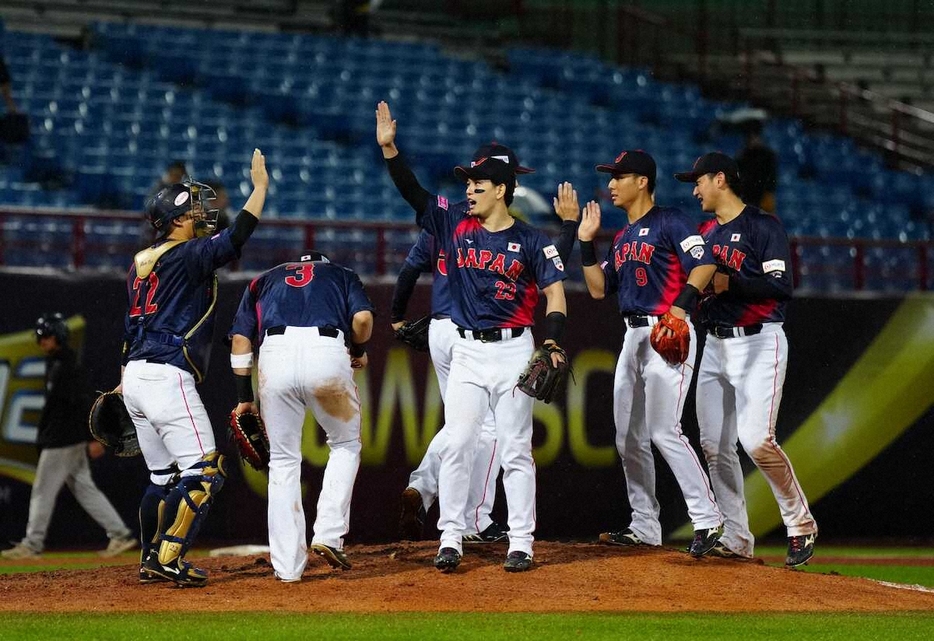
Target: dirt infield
(399, 578)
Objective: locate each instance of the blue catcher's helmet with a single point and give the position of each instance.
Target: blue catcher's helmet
(177, 200)
(52, 324)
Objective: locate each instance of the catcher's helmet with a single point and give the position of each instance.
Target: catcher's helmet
(177, 200)
(52, 324)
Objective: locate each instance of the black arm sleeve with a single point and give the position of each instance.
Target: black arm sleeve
(405, 285)
(407, 184)
(242, 228)
(565, 242)
(759, 288)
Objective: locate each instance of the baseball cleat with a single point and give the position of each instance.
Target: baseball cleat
(492, 534)
(412, 520)
(703, 542)
(180, 572)
(20, 551)
(622, 537)
(719, 549)
(447, 560)
(118, 546)
(335, 558)
(146, 577)
(518, 562)
(800, 549)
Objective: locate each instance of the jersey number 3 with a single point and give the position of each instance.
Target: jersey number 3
(304, 274)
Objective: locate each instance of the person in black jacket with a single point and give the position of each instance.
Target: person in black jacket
(64, 445)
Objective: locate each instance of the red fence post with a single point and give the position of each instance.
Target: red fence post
(78, 244)
(381, 251)
(859, 266)
(309, 236)
(795, 263)
(922, 267)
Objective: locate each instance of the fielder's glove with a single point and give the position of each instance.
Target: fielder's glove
(111, 424)
(415, 334)
(249, 433)
(541, 379)
(672, 347)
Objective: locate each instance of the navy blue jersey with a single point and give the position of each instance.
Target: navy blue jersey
(650, 260)
(427, 255)
(494, 276)
(751, 247)
(171, 307)
(301, 294)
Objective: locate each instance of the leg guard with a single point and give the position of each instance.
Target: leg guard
(150, 517)
(187, 505)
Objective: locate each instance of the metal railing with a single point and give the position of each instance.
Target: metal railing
(67, 239)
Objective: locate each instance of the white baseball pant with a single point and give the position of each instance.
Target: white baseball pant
(442, 334)
(739, 389)
(301, 370)
(172, 425)
(648, 400)
(483, 378)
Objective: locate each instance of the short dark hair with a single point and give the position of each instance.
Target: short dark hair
(178, 164)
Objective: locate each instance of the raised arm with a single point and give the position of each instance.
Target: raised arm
(593, 272)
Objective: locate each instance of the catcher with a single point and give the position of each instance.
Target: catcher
(657, 265)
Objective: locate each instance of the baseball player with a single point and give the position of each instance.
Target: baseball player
(426, 256)
(64, 446)
(303, 316)
(657, 264)
(172, 290)
(739, 383)
(496, 265)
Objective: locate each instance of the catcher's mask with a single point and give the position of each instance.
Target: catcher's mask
(52, 324)
(188, 196)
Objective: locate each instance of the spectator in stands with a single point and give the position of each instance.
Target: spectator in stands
(221, 203)
(6, 88)
(174, 173)
(758, 168)
(352, 17)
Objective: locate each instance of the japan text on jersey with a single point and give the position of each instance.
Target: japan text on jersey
(494, 276)
(751, 247)
(650, 259)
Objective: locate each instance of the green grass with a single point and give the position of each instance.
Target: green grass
(489, 627)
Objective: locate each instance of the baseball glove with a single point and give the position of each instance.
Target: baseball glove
(541, 379)
(415, 334)
(674, 347)
(249, 433)
(111, 424)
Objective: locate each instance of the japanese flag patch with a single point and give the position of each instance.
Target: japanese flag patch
(513, 247)
(644, 231)
(550, 251)
(775, 265)
(442, 202)
(734, 238)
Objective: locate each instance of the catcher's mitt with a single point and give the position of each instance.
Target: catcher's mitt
(249, 433)
(541, 379)
(111, 424)
(674, 347)
(415, 334)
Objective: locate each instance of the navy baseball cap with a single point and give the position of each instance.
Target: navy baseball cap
(712, 163)
(633, 161)
(494, 162)
(310, 255)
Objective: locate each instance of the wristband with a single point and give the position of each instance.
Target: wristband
(687, 299)
(588, 253)
(357, 349)
(241, 361)
(244, 388)
(554, 326)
